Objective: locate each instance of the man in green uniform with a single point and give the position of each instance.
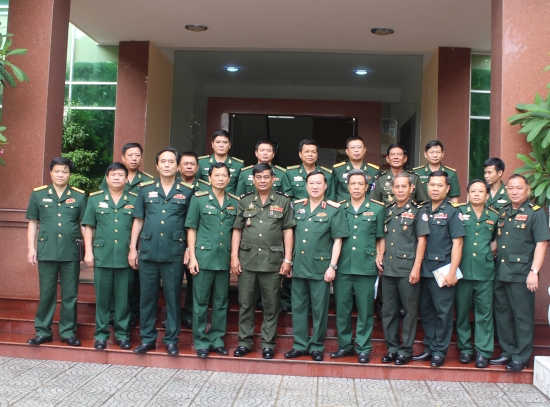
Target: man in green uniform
(443, 249)
(493, 170)
(320, 227)
(209, 221)
(357, 273)
(475, 289)
(356, 150)
(261, 253)
(522, 240)
(110, 215)
(221, 145)
(59, 209)
(265, 152)
(434, 153)
(406, 230)
(159, 217)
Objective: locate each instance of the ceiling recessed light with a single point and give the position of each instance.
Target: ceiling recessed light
(232, 68)
(361, 71)
(382, 31)
(197, 28)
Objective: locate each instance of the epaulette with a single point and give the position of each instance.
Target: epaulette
(246, 168)
(281, 193)
(145, 183)
(132, 193)
(238, 160)
(248, 193)
(201, 193)
(418, 168)
(202, 157)
(40, 188)
(149, 175)
(326, 169)
(204, 182)
(373, 166)
(300, 200)
(333, 204)
(96, 193)
(378, 202)
(341, 202)
(280, 168)
(78, 190)
(293, 167)
(186, 184)
(339, 164)
(534, 207)
(410, 172)
(419, 204)
(380, 174)
(456, 205)
(449, 168)
(233, 196)
(494, 210)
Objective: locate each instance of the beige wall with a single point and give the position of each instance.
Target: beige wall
(428, 123)
(159, 106)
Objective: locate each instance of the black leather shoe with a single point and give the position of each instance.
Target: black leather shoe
(363, 357)
(500, 361)
(437, 361)
(145, 347)
(241, 351)
(39, 340)
(401, 360)
(294, 353)
(424, 356)
(268, 353)
(284, 309)
(187, 324)
(221, 351)
(317, 355)
(515, 366)
(202, 353)
(465, 358)
(481, 361)
(172, 349)
(389, 357)
(341, 353)
(100, 345)
(134, 322)
(123, 344)
(72, 341)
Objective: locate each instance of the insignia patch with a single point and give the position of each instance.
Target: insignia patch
(128, 206)
(521, 217)
(103, 205)
(230, 208)
(179, 196)
(373, 185)
(153, 194)
(298, 178)
(209, 207)
(345, 175)
(460, 216)
(321, 214)
(424, 217)
(490, 222)
(70, 200)
(502, 201)
(47, 200)
(276, 208)
(440, 216)
(232, 169)
(368, 213)
(407, 215)
(301, 211)
(251, 206)
(248, 222)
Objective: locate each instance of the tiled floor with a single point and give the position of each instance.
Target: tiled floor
(30, 383)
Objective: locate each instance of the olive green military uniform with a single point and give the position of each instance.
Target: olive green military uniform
(113, 276)
(294, 181)
(340, 171)
(357, 273)
(436, 303)
(57, 253)
(500, 200)
(475, 289)
(213, 223)
(424, 172)
(403, 228)
(315, 234)
(519, 231)
(381, 189)
(162, 245)
(234, 165)
(261, 254)
(246, 179)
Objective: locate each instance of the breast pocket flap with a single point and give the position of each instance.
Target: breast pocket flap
(405, 255)
(518, 258)
(436, 257)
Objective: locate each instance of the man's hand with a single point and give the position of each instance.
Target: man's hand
(414, 276)
(193, 267)
(235, 266)
(89, 259)
(133, 259)
(31, 256)
(284, 270)
(450, 279)
(532, 282)
(330, 275)
(379, 264)
(186, 258)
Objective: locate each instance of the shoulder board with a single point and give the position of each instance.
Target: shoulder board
(281, 193)
(144, 184)
(494, 210)
(149, 175)
(204, 182)
(326, 169)
(449, 168)
(456, 205)
(201, 193)
(234, 196)
(78, 190)
(185, 184)
(132, 193)
(333, 204)
(419, 204)
(378, 202)
(341, 202)
(534, 207)
(373, 166)
(40, 188)
(280, 168)
(238, 160)
(246, 168)
(418, 168)
(380, 174)
(293, 167)
(338, 165)
(96, 193)
(410, 172)
(300, 200)
(202, 157)
(248, 193)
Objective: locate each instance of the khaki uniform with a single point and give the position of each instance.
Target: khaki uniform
(340, 178)
(381, 189)
(234, 165)
(246, 180)
(424, 172)
(500, 200)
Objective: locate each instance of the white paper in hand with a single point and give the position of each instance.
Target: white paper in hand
(441, 272)
(376, 287)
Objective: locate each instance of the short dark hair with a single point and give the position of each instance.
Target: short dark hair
(308, 142)
(315, 172)
(171, 150)
(392, 146)
(261, 168)
(271, 143)
(219, 164)
(116, 166)
(402, 175)
(475, 181)
(519, 176)
(434, 143)
(128, 146)
(188, 154)
(62, 161)
(354, 138)
(358, 172)
(440, 173)
(496, 162)
(221, 133)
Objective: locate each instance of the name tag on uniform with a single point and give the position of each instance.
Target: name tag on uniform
(250, 177)
(209, 207)
(322, 214)
(298, 178)
(345, 175)
(179, 196)
(231, 169)
(503, 201)
(128, 206)
(467, 217)
(47, 200)
(153, 194)
(103, 205)
(521, 217)
(275, 179)
(440, 216)
(301, 211)
(368, 213)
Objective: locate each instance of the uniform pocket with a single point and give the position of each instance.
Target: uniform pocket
(103, 216)
(275, 214)
(325, 257)
(518, 258)
(438, 226)
(145, 243)
(46, 209)
(244, 246)
(436, 257)
(203, 246)
(404, 259)
(152, 204)
(42, 237)
(276, 255)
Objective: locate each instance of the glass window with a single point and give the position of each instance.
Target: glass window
(94, 95)
(481, 104)
(481, 72)
(479, 146)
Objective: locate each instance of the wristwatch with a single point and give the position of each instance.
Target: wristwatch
(288, 261)
(334, 266)
(534, 271)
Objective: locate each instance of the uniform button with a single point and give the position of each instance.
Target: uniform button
(431, 216)
(116, 231)
(262, 209)
(355, 226)
(59, 224)
(477, 234)
(509, 219)
(260, 235)
(259, 250)
(353, 248)
(162, 234)
(391, 243)
(202, 247)
(477, 223)
(221, 223)
(406, 255)
(475, 244)
(519, 259)
(309, 219)
(116, 210)
(165, 201)
(163, 211)
(42, 239)
(116, 220)
(504, 247)
(393, 231)
(102, 212)
(162, 222)
(305, 230)
(58, 214)
(438, 222)
(221, 213)
(356, 216)
(261, 221)
(355, 237)
(210, 213)
(391, 257)
(59, 235)
(221, 244)
(437, 258)
(181, 240)
(221, 233)
(57, 204)
(322, 258)
(303, 252)
(502, 260)
(474, 254)
(303, 241)
(116, 241)
(397, 217)
(506, 232)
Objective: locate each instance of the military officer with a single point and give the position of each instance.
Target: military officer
(357, 271)
(265, 152)
(406, 230)
(434, 153)
(522, 239)
(261, 253)
(478, 267)
(59, 209)
(320, 227)
(209, 222)
(159, 217)
(221, 144)
(443, 248)
(355, 149)
(493, 170)
(110, 215)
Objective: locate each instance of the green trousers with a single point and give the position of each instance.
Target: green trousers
(436, 314)
(134, 296)
(286, 292)
(479, 295)
(269, 285)
(150, 274)
(310, 295)
(210, 284)
(68, 272)
(397, 292)
(116, 283)
(187, 311)
(345, 286)
(515, 318)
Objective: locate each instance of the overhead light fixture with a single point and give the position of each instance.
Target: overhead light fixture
(361, 72)
(232, 68)
(196, 28)
(280, 117)
(382, 31)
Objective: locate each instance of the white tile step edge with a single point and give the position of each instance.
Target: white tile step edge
(541, 375)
